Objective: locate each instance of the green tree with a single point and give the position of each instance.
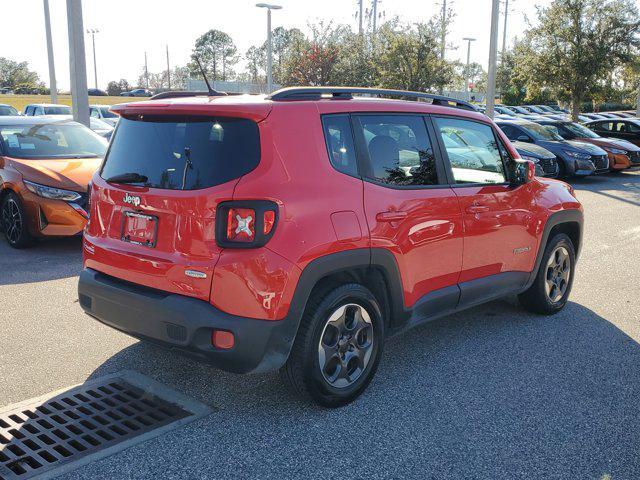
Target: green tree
(14, 73)
(115, 88)
(576, 43)
(217, 53)
(256, 62)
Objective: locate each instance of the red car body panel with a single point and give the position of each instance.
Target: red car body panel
(442, 237)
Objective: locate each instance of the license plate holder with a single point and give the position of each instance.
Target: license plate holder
(139, 229)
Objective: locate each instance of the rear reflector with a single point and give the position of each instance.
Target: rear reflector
(222, 339)
(269, 221)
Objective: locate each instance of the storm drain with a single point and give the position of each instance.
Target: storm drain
(67, 429)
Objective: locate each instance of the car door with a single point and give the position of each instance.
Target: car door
(499, 228)
(410, 209)
(629, 131)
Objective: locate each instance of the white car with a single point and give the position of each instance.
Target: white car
(34, 109)
(98, 126)
(102, 112)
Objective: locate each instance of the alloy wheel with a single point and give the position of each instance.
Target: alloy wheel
(12, 220)
(346, 345)
(558, 273)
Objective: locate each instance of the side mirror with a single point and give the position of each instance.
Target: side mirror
(522, 171)
(523, 138)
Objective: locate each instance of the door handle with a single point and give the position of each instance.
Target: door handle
(475, 208)
(391, 216)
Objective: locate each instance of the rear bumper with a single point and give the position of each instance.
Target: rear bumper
(185, 324)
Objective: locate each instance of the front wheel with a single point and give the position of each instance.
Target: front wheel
(14, 222)
(551, 288)
(338, 346)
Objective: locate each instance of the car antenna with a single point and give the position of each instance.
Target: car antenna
(212, 92)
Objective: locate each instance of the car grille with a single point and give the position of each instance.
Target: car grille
(549, 166)
(634, 157)
(601, 162)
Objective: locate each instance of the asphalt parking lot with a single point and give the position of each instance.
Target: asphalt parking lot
(490, 393)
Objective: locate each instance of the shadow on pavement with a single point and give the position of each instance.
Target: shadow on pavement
(622, 186)
(490, 393)
(49, 259)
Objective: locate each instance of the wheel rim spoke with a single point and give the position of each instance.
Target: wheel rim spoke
(557, 274)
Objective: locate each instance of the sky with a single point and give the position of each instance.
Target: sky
(129, 28)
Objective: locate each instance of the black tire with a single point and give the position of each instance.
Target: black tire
(538, 298)
(303, 372)
(14, 222)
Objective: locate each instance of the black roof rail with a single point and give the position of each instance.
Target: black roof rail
(346, 93)
(183, 93)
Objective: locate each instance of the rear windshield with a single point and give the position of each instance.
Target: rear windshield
(51, 140)
(57, 110)
(182, 153)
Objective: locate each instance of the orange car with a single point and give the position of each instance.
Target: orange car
(45, 168)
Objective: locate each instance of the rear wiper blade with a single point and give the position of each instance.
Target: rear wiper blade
(127, 178)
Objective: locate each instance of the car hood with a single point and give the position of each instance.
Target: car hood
(525, 148)
(70, 174)
(559, 146)
(612, 142)
(589, 147)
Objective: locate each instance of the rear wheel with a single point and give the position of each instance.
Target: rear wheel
(338, 346)
(14, 222)
(551, 288)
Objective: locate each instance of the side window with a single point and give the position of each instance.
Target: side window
(340, 146)
(472, 150)
(94, 113)
(29, 111)
(399, 150)
(511, 132)
(39, 111)
(632, 128)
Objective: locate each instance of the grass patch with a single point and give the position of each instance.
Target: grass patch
(20, 101)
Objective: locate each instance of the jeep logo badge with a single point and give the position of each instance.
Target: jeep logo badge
(131, 199)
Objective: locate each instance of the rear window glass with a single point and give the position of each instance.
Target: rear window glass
(57, 110)
(183, 153)
(51, 141)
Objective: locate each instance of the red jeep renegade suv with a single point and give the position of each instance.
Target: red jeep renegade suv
(299, 230)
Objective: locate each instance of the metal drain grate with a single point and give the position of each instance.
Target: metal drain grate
(46, 434)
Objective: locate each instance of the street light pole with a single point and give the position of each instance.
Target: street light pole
(52, 69)
(269, 7)
(93, 32)
(77, 63)
(443, 34)
(504, 29)
(466, 71)
(493, 53)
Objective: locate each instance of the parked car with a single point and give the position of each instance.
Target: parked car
(546, 162)
(98, 126)
(7, 110)
(96, 92)
(593, 116)
(575, 158)
(45, 167)
(622, 154)
(5, 91)
(535, 109)
(35, 109)
(302, 242)
(138, 92)
(102, 112)
(548, 109)
(626, 129)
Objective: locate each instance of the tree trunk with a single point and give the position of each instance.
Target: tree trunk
(575, 107)
(638, 102)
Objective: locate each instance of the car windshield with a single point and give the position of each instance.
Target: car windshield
(541, 132)
(579, 131)
(57, 110)
(97, 124)
(51, 140)
(106, 113)
(182, 153)
(7, 110)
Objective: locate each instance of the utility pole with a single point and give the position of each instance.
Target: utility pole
(93, 32)
(493, 53)
(443, 38)
(638, 102)
(360, 17)
(269, 7)
(168, 70)
(52, 69)
(374, 10)
(504, 29)
(466, 71)
(77, 63)
(146, 72)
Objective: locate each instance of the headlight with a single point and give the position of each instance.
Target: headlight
(52, 193)
(615, 151)
(531, 159)
(579, 156)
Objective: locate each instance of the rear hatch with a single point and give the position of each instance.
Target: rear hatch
(153, 204)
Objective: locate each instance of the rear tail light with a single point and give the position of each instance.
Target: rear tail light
(245, 223)
(222, 339)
